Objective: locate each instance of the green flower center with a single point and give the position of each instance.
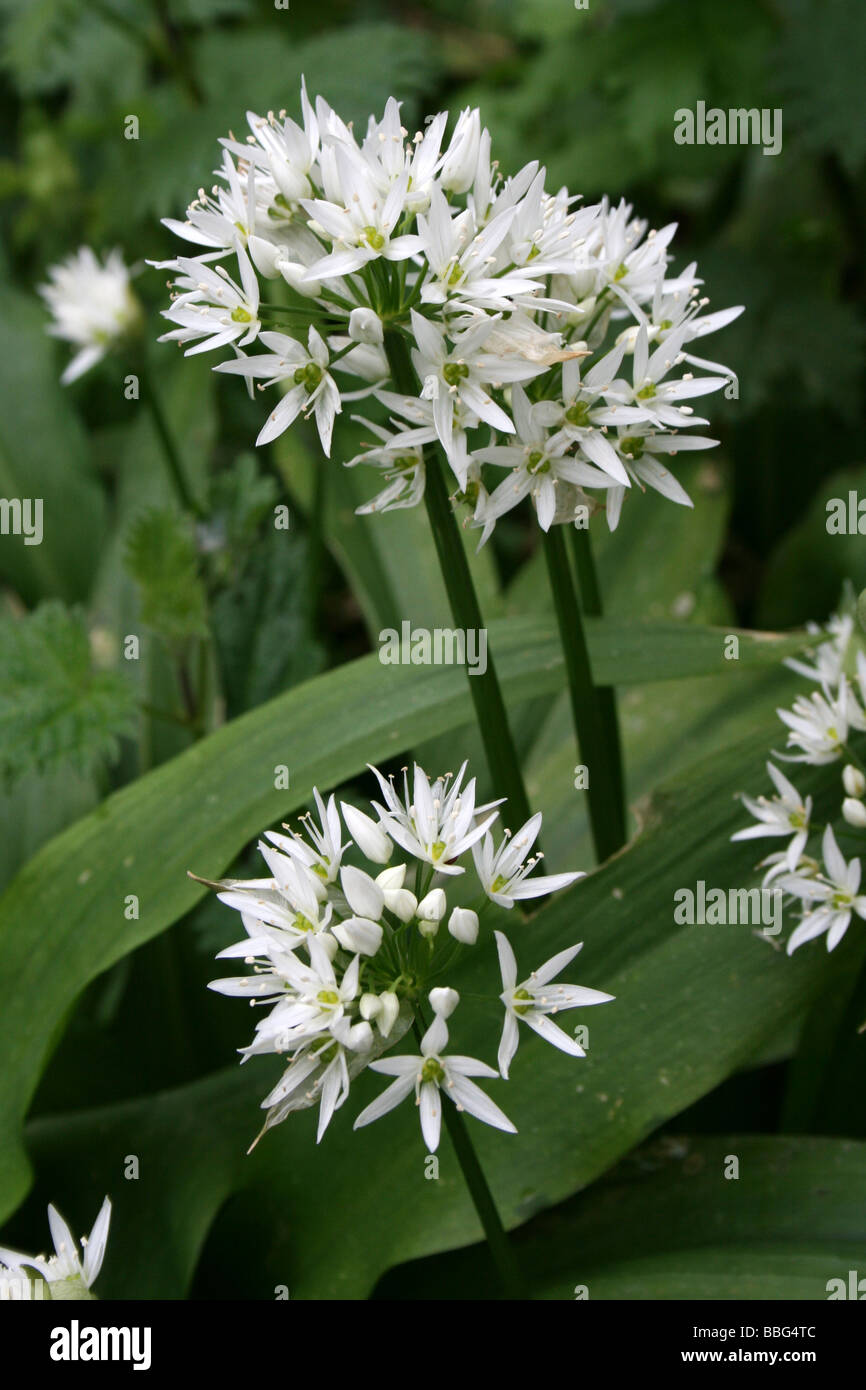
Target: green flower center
(498, 884)
(647, 392)
(666, 324)
(373, 238)
(578, 414)
(437, 849)
(631, 446)
(456, 275)
(522, 1008)
(621, 272)
(455, 372)
(308, 376)
(537, 463)
(241, 316)
(328, 996)
(433, 1071)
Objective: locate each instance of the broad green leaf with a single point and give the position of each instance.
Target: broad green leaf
(669, 1223)
(693, 1005)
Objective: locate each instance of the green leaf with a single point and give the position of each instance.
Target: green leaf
(55, 707)
(162, 559)
(668, 1223)
(44, 455)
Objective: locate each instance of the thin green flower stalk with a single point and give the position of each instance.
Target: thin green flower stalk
(348, 961)
(597, 743)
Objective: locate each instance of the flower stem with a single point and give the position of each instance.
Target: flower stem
(605, 782)
(170, 450)
(485, 690)
(589, 595)
(482, 1199)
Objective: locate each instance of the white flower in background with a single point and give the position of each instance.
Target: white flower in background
(340, 956)
(92, 306)
(68, 1274)
(828, 665)
(784, 814)
(535, 999)
(431, 1075)
(504, 872)
(830, 898)
(818, 726)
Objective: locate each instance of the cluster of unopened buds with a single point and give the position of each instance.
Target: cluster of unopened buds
(825, 884)
(345, 958)
(514, 327)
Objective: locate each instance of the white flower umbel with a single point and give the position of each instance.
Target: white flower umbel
(430, 1075)
(830, 898)
(413, 251)
(819, 726)
(92, 306)
(68, 1274)
(784, 814)
(533, 1000)
(342, 955)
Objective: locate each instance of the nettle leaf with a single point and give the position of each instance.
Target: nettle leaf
(161, 557)
(261, 624)
(55, 707)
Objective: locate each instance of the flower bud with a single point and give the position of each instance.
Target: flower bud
(461, 159)
(264, 256)
(389, 1011)
(369, 1006)
(363, 893)
(463, 925)
(443, 1001)
(294, 275)
(853, 780)
(365, 326)
(433, 907)
(428, 929)
(854, 812)
(394, 877)
(368, 836)
(402, 903)
(360, 935)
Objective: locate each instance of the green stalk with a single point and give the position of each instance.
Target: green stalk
(482, 1199)
(605, 798)
(485, 690)
(170, 450)
(589, 594)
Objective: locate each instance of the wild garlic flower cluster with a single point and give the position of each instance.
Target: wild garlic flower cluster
(824, 883)
(347, 959)
(65, 1275)
(92, 306)
(551, 344)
